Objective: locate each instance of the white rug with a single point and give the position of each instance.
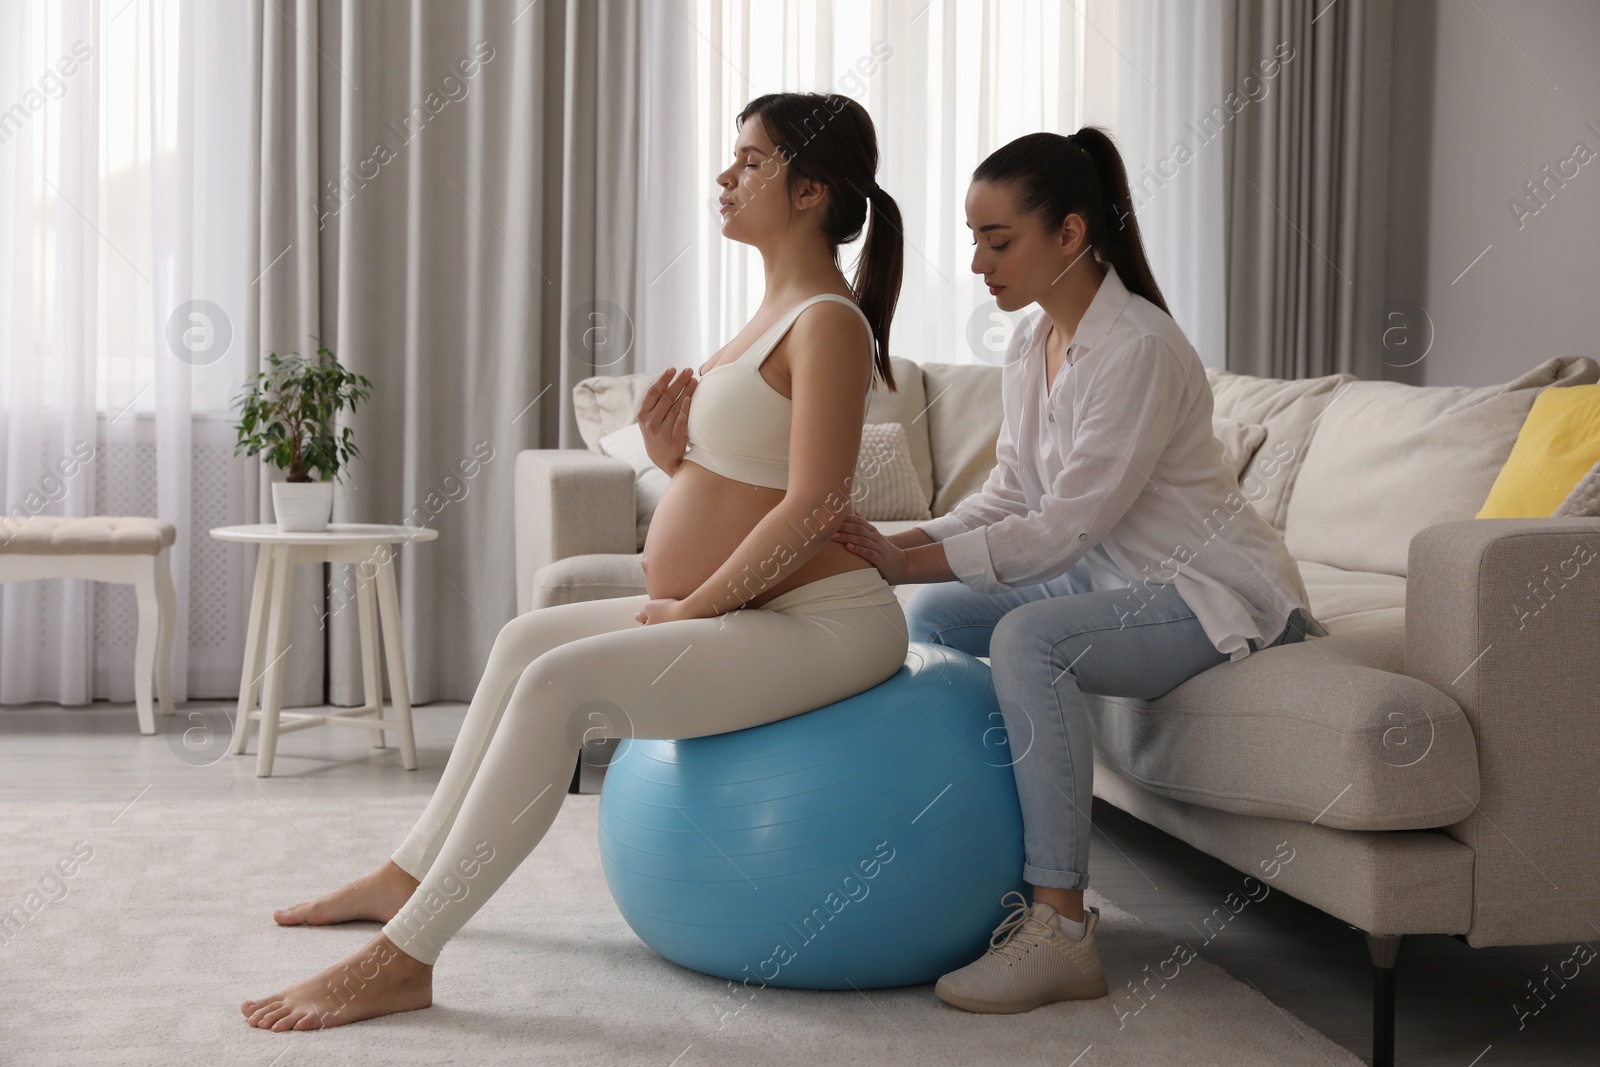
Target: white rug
(144, 953)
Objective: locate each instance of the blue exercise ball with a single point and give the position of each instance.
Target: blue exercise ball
(865, 844)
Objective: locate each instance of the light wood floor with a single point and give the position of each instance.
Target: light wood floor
(1457, 1005)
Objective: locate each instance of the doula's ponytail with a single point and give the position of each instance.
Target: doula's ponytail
(1083, 174)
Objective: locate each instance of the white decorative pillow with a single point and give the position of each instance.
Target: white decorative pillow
(1240, 441)
(1584, 500)
(886, 485)
(650, 481)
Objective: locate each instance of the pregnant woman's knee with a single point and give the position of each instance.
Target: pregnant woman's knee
(532, 634)
(522, 640)
(560, 686)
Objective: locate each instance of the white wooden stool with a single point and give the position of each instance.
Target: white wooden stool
(367, 546)
(104, 548)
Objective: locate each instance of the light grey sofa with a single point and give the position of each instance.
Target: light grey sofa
(1430, 765)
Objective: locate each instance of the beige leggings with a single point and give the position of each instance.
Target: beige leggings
(561, 675)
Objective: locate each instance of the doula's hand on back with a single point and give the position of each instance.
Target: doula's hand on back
(664, 417)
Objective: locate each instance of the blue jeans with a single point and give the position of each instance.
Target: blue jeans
(1047, 645)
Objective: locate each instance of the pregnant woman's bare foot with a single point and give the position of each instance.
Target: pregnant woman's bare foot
(377, 897)
(377, 980)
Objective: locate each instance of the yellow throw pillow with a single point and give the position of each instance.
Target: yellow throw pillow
(1558, 443)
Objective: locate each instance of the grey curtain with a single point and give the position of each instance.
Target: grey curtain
(447, 199)
(1307, 188)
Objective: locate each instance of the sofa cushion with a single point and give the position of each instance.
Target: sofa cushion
(1319, 731)
(907, 406)
(595, 576)
(890, 527)
(1388, 459)
(963, 420)
(1340, 598)
(1288, 408)
(1240, 440)
(607, 402)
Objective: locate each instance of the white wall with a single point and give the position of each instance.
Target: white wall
(1485, 96)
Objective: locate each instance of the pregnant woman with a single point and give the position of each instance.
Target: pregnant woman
(753, 613)
(1109, 551)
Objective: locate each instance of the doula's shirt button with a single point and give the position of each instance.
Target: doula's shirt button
(1052, 416)
(1083, 537)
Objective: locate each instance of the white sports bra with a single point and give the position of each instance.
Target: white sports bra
(738, 424)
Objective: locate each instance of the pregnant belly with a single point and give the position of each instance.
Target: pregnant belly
(701, 521)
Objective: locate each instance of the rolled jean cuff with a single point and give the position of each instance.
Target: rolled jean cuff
(1054, 879)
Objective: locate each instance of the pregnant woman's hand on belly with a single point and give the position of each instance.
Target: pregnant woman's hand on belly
(664, 417)
(665, 609)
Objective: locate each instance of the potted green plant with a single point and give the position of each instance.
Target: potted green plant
(286, 415)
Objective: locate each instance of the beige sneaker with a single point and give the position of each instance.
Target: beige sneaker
(1030, 962)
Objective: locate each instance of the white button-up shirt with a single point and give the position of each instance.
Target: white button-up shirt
(1117, 466)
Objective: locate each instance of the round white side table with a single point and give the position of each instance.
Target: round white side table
(367, 546)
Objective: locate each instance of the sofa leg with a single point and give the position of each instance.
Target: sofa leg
(1384, 952)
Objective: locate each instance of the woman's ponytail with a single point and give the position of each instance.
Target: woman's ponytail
(1082, 174)
(829, 138)
(878, 272)
(1119, 241)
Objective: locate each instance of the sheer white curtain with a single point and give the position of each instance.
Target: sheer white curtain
(946, 83)
(124, 233)
(1158, 81)
(48, 162)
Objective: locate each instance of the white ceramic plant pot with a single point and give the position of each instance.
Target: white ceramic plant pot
(302, 507)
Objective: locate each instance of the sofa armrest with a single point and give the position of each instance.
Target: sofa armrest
(569, 502)
(1503, 616)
